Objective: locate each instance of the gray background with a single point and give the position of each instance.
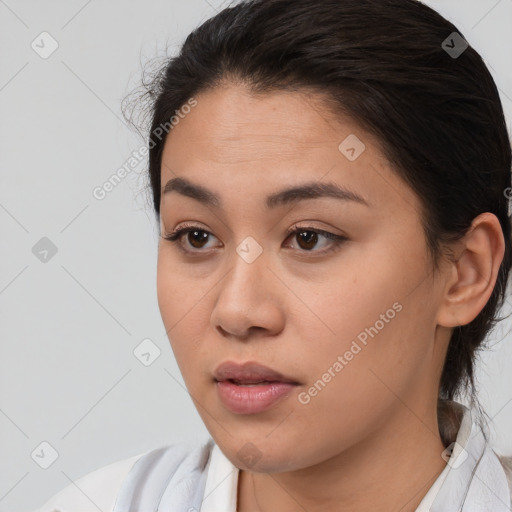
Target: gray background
(69, 326)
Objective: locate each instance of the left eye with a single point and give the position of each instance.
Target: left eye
(306, 237)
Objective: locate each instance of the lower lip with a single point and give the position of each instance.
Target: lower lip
(252, 399)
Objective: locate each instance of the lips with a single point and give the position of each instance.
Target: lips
(249, 373)
(251, 388)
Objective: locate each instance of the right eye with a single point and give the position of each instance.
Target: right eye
(196, 238)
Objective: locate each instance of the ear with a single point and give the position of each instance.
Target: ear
(473, 274)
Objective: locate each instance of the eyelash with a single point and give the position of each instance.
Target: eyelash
(338, 240)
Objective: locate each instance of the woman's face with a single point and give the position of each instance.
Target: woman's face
(350, 320)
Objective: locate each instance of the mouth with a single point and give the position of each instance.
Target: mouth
(251, 388)
(249, 373)
(247, 383)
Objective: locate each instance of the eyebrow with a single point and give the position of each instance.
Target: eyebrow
(309, 190)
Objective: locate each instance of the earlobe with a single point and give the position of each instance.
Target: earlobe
(473, 272)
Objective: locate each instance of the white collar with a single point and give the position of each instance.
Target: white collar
(220, 492)
(472, 481)
(475, 480)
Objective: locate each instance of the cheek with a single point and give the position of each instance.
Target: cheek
(173, 303)
(175, 293)
(369, 331)
(351, 387)
(163, 278)
(184, 309)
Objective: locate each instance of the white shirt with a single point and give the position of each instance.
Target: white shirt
(178, 478)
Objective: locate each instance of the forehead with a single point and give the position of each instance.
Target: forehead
(235, 141)
(230, 120)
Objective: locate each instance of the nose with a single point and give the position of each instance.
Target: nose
(249, 300)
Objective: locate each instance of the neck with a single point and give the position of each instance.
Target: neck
(393, 467)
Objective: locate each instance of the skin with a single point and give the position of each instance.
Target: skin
(370, 436)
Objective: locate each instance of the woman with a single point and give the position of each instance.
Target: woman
(335, 246)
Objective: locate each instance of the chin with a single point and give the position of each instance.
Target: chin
(262, 455)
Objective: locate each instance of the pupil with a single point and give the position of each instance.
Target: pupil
(311, 240)
(194, 233)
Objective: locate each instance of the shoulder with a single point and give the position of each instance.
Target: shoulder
(100, 489)
(506, 463)
(97, 487)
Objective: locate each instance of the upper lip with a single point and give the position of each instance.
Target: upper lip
(249, 372)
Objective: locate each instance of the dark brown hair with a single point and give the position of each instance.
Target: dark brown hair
(386, 65)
